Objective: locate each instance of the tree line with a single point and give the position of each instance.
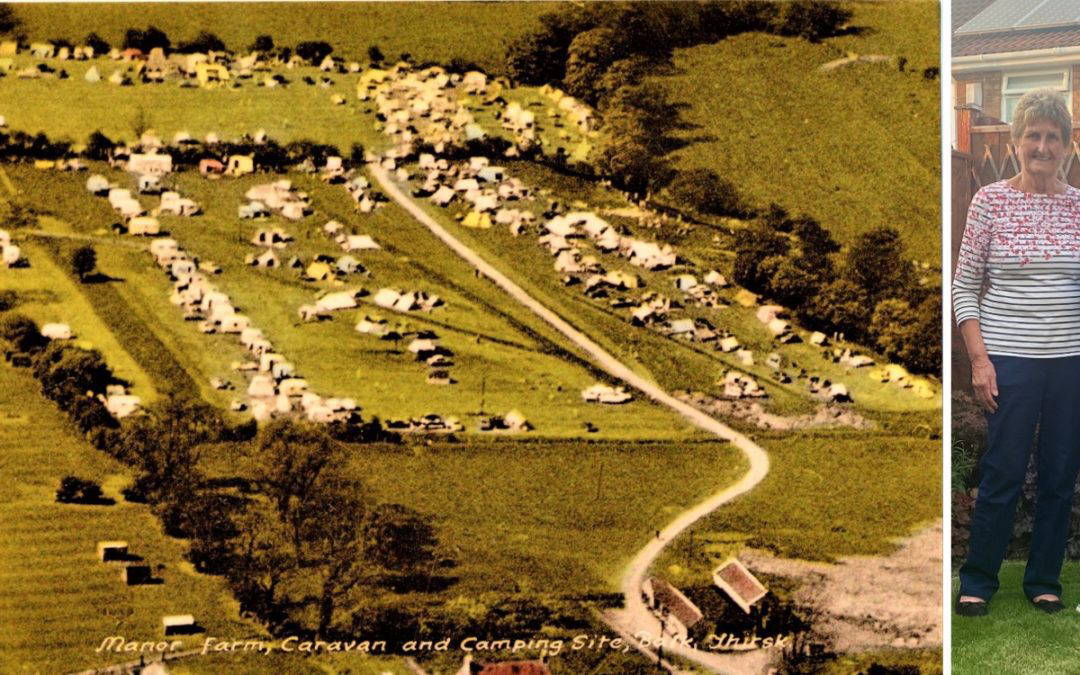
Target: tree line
(871, 293)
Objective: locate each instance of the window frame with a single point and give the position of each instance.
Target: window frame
(1064, 88)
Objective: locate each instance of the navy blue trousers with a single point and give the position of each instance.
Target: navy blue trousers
(1035, 395)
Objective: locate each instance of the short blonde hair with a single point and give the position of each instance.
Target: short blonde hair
(1042, 104)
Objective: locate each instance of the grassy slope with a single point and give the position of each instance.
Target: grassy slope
(499, 348)
(548, 516)
(47, 294)
(439, 31)
(856, 148)
(1016, 638)
(60, 601)
(827, 495)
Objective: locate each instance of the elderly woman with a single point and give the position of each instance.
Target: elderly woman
(1023, 338)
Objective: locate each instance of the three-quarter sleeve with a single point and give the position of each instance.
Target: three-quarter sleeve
(971, 263)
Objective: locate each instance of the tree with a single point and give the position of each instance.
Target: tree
(204, 42)
(876, 263)
(262, 43)
(813, 20)
(375, 55)
(9, 21)
(8, 299)
(314, 51)
(166, 444)
(752, 247)
(263, 560)
(399, 538)
(295, 455)
(909, 334)
(588, 57)
(20, 333)
(536, 57)
(839, 306)
(332, 535)
(706, 192)
(83, 261)
(67, 372)
(99, 44)
(98, 146)
(75, 490)
(146, 40)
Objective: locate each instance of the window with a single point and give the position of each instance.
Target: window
(1016, 85)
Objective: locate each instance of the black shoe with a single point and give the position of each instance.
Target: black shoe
(1049, 606)
(969, 608)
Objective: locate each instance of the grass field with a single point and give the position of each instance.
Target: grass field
(436, 31)
(60, 600)
(1015, 638)
(675, 364)
(827, 495)
(504, 357)
(544, 516)
(48, 294)
(856, 148)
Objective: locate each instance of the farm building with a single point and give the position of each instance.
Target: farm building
(681, 614)
(739, 584)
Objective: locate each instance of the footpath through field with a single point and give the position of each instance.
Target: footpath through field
(636, 618)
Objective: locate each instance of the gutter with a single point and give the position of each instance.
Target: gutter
(1029, 57)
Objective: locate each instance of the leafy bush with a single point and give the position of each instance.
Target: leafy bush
(21, 334)
(8, 299)
(706, 192)
(146, 40)
(98, 43)
(314, 52)
(201, 43)
(74, 490)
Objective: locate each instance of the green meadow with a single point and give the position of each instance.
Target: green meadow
(856, 148)
(61, 601)
(476, 32)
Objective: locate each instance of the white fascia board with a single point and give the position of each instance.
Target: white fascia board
(1006, 60)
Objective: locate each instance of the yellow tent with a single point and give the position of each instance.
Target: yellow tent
(211, 73)
(6, 64)
(44, 164)
(9, 48)
(240, 164)
(318, 271)
(923, 389)
(478, 220)
(745, 298)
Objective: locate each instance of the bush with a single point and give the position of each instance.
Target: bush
(146, 40)
(314, 52)
(21, 334)
(706, 192)
(98, 146)
(203, 42)
(83, 261)
(813, 20)
(262, 43)
(8, 299)
(74, 490)
(99, 44)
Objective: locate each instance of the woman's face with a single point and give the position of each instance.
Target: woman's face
(1041, 149)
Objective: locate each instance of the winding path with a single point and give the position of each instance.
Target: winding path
(636, 618)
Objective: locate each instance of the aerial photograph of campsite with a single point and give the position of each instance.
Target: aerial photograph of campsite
(470, 337)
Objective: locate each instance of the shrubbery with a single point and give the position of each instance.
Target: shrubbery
(74, 490)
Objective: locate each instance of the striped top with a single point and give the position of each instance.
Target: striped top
(1026, 247)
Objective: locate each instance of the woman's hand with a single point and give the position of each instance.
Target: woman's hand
(984, 381)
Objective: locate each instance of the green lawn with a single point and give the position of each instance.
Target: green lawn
(430, 31)
(1015, 638)
(856, 148)
(827, 495)
(60, 600)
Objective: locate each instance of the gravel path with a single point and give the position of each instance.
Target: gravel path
(636, 617)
